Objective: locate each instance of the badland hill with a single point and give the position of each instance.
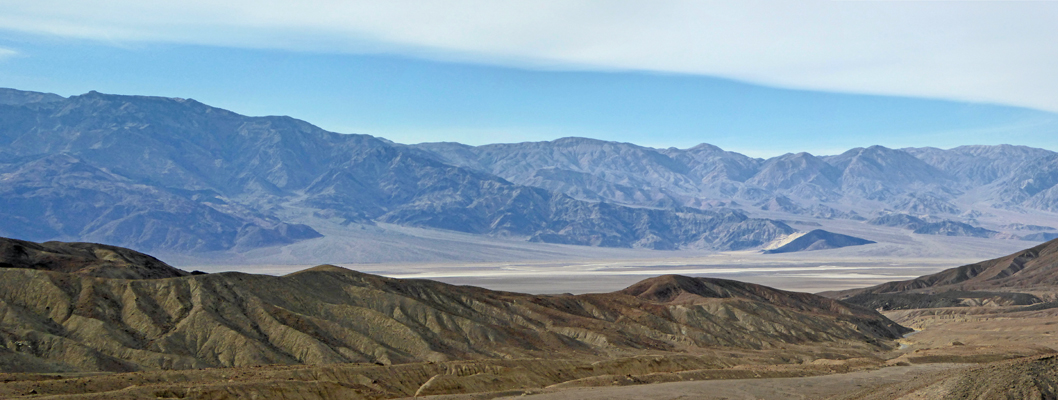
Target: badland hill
(1027, 277)
(86, 259)
(61, 321)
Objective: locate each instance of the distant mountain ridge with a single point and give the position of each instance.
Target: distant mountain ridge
(920, 181)
(177, 175)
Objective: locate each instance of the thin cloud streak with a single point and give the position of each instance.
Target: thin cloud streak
(999, 52)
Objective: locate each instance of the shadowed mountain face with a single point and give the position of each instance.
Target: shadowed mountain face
(899, 220)
(936, 227)
(85, 259)
(952, 228)
(178, 175)
(60, 321)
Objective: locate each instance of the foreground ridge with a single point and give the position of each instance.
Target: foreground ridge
(59, 321)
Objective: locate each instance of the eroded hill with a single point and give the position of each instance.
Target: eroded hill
(86, 259)
(57, 321)
(1023, 278)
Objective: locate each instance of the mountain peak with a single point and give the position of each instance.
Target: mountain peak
(706, 147)
(677, 288)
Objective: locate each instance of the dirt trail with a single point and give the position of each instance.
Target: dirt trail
(816, 387)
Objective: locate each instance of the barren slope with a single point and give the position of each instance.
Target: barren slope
(87, 259)
(1029, 378)
(1035, 268)
(55, 321)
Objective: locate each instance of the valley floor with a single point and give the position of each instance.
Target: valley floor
(948, 344)
(513, 264)
(813, 387)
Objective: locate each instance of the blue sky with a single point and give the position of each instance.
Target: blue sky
(416, 90)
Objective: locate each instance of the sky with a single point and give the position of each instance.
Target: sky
(759, 77)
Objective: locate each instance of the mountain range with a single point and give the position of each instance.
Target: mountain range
(913, 180)
(176, 175)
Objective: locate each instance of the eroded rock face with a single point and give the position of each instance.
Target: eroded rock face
(56, 321)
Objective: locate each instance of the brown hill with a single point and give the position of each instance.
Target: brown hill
(1035, 268)
(87, 259)
(55, 321)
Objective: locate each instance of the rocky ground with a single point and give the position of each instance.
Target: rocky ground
(955, 352)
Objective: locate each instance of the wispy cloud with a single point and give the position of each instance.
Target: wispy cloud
(994, 51)
(7, 53)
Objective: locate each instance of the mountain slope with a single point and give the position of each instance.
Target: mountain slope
(329, 315)
(19, 97)
(178, 175)
(564, 165)
(879, 173)
(980, 165)
(801, 175)
(1036, 267)
(922, 181)
(58, 196)
(85, 259)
